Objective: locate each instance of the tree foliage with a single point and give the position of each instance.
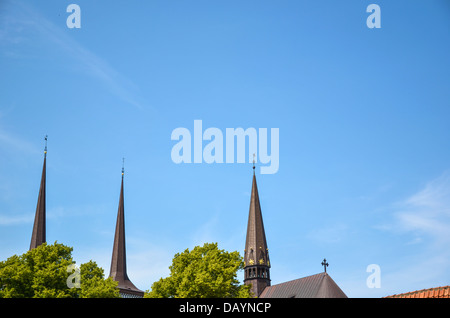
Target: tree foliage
(204, 272)
(42, 273)
(93, 284)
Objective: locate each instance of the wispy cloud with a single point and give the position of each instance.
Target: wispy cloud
(329, 234)
(53, 213)
(15, 219)
(76, 211)
(206, 232)
(11, 141)
(422, 221)
(147, 262)
(427, 212)
(21, 22)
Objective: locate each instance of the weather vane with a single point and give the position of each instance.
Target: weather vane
(45, 148)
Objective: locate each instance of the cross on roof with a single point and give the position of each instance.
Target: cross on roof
(325, 264)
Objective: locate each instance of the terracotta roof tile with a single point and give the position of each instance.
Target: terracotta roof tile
(436, 292)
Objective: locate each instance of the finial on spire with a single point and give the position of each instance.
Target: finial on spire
(45, 148)
(254, 162)
(123, 165)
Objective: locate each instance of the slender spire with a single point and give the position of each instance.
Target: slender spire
(256, 253)
(119, 260)
(38, 234)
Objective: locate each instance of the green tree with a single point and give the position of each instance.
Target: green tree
(93, 284)
(42, 273)
(204, 272)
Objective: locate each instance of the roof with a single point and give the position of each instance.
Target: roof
(315, 286)
(436, 292)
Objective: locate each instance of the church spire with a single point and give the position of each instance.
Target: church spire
(118, 262)
(256, 253)
(38, 234)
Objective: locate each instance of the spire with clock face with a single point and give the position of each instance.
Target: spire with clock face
(256, 253)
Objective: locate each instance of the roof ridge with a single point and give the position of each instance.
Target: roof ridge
(328, 287)
(433, 292)
(292, 280)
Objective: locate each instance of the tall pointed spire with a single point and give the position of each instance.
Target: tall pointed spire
(119, 260)
(38, 234)
(256, 253)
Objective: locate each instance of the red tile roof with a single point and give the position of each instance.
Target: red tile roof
(437, 292)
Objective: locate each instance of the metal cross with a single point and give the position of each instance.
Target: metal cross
(325, 264)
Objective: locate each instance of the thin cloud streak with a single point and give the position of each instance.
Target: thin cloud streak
(14, 220)
(424, 220)
(9, 141)
(428, 211)
(30, 20)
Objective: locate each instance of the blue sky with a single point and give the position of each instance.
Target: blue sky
(363, 116)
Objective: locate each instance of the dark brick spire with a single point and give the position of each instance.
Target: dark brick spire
(38, 235)
(256, 253)
(119, 262)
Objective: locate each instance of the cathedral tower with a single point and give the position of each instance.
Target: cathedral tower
(256, 253)
(119, 260)
(38, 234)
